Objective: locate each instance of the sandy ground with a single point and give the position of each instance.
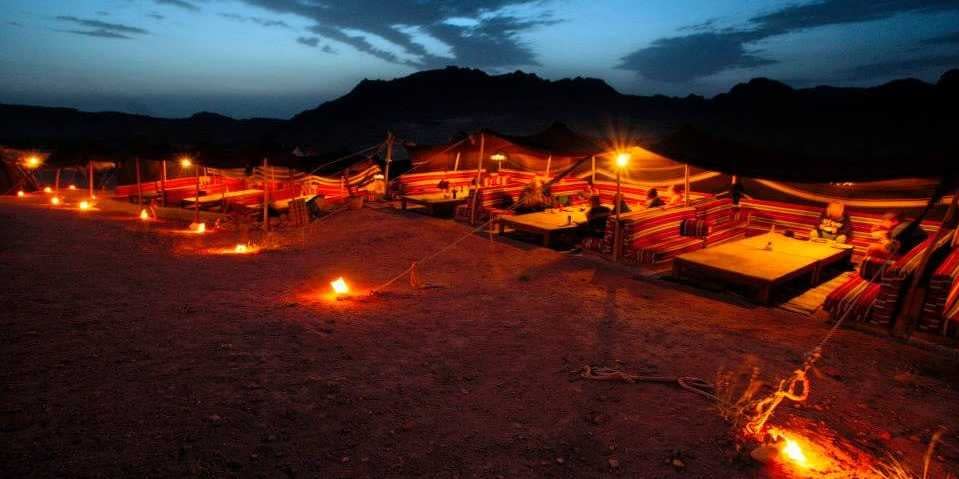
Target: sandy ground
(128, 352)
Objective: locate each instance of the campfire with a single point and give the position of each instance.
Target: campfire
(340, 288)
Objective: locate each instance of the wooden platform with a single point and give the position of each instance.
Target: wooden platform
(435, 203)
(545, 223)
(761, 262)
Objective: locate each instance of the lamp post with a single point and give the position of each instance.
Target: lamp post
(622, 160)
(499, 158)
(185, 163)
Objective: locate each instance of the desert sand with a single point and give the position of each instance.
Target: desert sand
(129, 351)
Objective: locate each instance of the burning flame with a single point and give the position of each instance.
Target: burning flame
(144, 215)
(55, 201)
(339, 286)
(792, 451)
(21, 194)
(84, 205)
(47, 189)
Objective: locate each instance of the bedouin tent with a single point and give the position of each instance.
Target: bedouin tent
(547, 152)
(15, 173)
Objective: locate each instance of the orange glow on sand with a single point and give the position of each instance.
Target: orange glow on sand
(47, 189)
(339, 286)
(55, 201)
(21, 194)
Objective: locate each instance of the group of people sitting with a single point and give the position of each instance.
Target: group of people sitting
(893, 235)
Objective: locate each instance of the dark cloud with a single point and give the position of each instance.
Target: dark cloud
(892, 68)
(494, 40)
(179, 3)
(155, 16)
(710, 50)
(947, 39)
(101, 33)
(308, 41)
(96, 28)
(265, 22)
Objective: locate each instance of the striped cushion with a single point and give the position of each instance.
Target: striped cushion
(854, 298)
(694, 227)
(896, 279)
(652, 230)
(941, 285)
(417, 183)
(664, 250)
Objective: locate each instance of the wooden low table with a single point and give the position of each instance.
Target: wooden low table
(545, 223)
(216, 198)
(747, 262)
(435, 202)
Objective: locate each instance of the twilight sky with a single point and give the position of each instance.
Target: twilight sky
(274, 58)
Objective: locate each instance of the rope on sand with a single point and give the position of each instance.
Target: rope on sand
(691, 384)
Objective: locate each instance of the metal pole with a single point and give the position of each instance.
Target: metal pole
(90, 178)
(456, 164)
(686, 185)
(549, 163)
(139, 184)
(479, 164)
(594, 171)
(56, 184)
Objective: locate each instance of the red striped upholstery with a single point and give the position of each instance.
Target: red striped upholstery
(941, 285)
(417, 183)
(855, 297)
(951, 310)
(652, 236)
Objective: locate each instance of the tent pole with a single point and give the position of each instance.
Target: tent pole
(389, 159)
(456, 164)
(905, 323)
(479, 163)
(618, 239)
(90, 178)
(686, 185)
(56, 184)
(549, 163)
(266, 200)
(593, 177)
(163, 181)
(139, 184)
(196, 204)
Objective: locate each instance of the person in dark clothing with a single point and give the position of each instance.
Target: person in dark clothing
(895, 236)
(596, 217)
(535, 197)
(652, 199)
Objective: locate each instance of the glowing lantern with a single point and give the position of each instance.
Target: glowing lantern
(144, 215)
(498, 157)
(240, 248)
(47, 189)
(21, 194)
(622, 160)
(72, 187)
(84, 205)
(198, 228)
(33, 162)
(339, 286)
(55, 201)
(186, 162)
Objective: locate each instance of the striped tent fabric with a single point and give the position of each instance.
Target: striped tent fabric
(941, 285)
(896, 279)
(652, 236)
(951, 309)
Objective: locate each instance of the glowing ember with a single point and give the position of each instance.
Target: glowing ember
(47, 189)
(144, 215)
(339, 286)
(84, 205)
(793, 452)
(72, 187)
(240, 248)
(55, 201)
(21, 194)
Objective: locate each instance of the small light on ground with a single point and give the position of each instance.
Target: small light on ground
(55, 201)
(198, 228)
(84, 205)
(72, 187)
(339, 286)
(21, 194)
(240, 248)
(47, 189)
(144, 215)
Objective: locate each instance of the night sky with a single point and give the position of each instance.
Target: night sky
(274, 58)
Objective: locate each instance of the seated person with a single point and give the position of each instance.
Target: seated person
(652, 199)
(833, 224)
(674, 197)
(443, 185)
(894, 236)
(534, 197)
(596, 217)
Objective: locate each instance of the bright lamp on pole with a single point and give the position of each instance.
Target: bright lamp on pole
(622, 160)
